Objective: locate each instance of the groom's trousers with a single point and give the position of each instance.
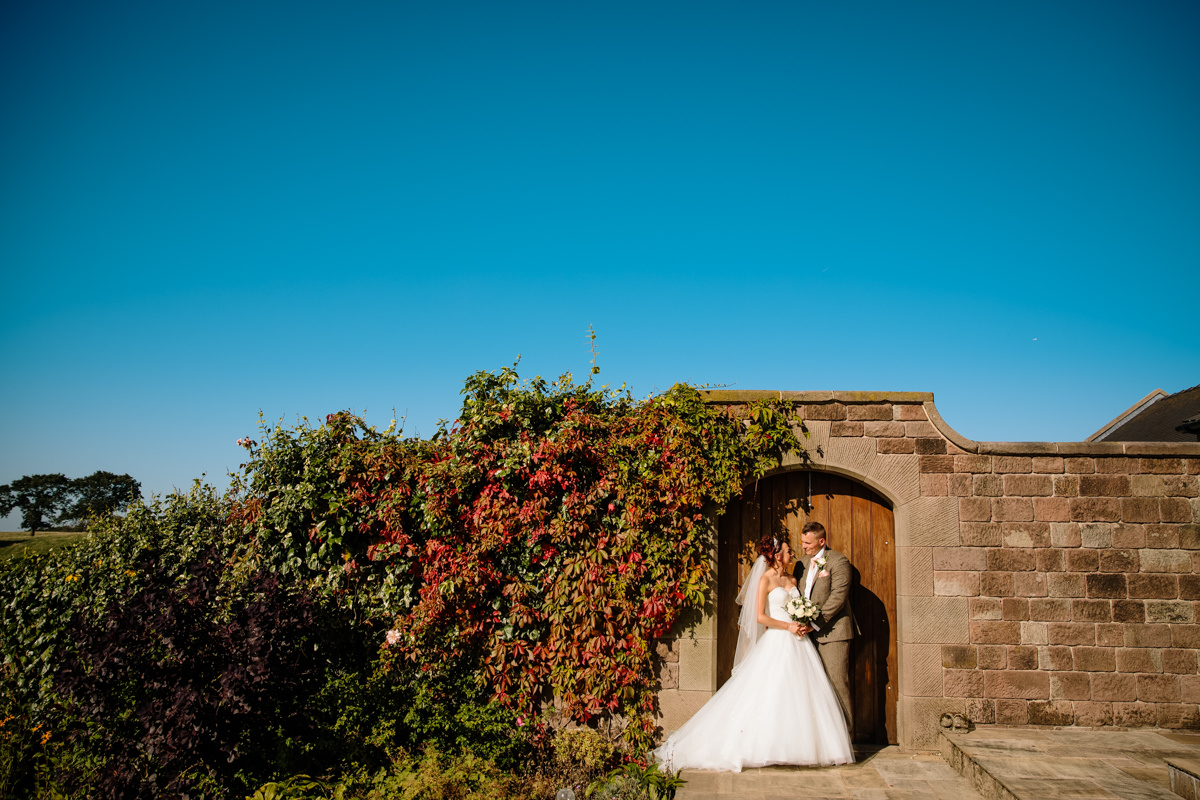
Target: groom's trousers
(836, 658)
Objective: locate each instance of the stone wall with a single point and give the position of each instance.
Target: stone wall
(1038, 583)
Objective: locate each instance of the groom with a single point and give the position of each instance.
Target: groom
(826, 581)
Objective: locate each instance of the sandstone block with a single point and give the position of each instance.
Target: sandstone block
(936, 463)
(1050, 609)
(889, 430)
(825, 411)
(955, 584)
(1071, 633)
(962, 682)
(1180, 662)
(972, 463)
(1175, 509)
(1095, 509)
(1065, 534)
(1110, 634)
(1181, 486)
(1189, 537)
(1014, 608)
(1023, 657)
(959, 656)
(1147, 635)
(908, 413)
(899, 446)
(1165, 560)
(987, 485)
(1189, 688)
(1104, 486)
(1113, 686)
(1048, 464)
(1011, 559)
(842, 428)
(981, 711)
(1158, 688)
(1139, 659)
(1080, 465)
(1030, 584)
(1012, 712)
(981, 534)
(1028, 485)
(995, 632)
(1050, 559)
(1051, 712)
(1019, 464)
(996, 584)
(1147, 485)
(1162, 466)
(1082, 560)
(1055, 658)
(1184, 636)
(992, 656)
(1189, 587)
(1160, 586)
(1169, 611)
(1066, 584)
(958, 485)
(1133, 536)
(1107, 585)
(1094, 659)
(1116, 560)
(864, 412)
(1129, 611)
(974, 509)
(1023, 684)
(1093, 715)
(1096, 534)
(1134, 715)
(1026, 534)
(1035, 633)
(933, 484)
(920, 430)
(1139, 509)
(959, 558)
(1091, 610)
(1012, 509)
(1066, 486)
(1114, 465)
(1051, 509)
(925, 447)
(985, 608)
(1178, 715)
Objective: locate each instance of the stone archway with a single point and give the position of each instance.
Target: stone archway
(861, 525)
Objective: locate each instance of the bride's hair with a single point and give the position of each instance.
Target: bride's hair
(768, 547)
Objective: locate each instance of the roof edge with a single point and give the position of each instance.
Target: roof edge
(1127, 414)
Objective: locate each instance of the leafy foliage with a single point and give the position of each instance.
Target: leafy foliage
(358, 596)
(40, 498)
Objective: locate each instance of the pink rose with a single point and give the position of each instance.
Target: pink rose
(393, 636)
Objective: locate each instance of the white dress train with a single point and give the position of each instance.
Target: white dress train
(777, 708)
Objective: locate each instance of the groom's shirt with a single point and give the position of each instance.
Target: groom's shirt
(810, 577)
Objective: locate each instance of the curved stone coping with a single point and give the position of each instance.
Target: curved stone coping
(735, 396)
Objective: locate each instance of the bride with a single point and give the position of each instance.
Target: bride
(778, 706)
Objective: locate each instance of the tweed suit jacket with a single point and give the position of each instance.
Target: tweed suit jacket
(832, 593)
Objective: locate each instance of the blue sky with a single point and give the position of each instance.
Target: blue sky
(208, 210)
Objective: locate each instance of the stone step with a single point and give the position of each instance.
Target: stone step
(1047, 764)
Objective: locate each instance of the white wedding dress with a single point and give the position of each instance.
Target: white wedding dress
(778, 707)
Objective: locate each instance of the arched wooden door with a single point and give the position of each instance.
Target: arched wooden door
(860, 525)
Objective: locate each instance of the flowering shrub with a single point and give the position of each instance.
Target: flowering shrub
(542, 542)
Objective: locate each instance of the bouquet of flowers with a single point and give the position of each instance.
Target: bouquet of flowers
(802, 610)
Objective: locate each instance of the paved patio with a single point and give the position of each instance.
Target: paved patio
(985, 764)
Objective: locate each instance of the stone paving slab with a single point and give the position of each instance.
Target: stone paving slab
(1029, 764)
(884, 773)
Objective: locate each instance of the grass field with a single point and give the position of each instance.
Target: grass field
(12, 545)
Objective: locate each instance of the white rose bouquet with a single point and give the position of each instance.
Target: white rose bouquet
(802, 610)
